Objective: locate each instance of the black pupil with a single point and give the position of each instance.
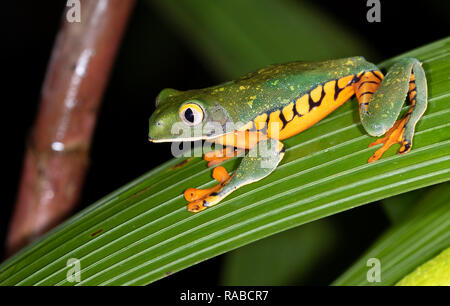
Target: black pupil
(189, 115)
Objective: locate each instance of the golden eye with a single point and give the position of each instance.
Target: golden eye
(191, 114)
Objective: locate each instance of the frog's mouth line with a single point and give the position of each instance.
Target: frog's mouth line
(186, 139)
(175, 139)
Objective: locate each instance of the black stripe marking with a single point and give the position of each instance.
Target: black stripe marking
(283, 119)
(312, 103)
(337, 90)
(373, 72)
(356, 78)
(407, 146)
(294, 109)
(293, 112)
(365, 93)
(372, 82)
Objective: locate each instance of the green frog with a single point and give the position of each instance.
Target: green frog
(280, 101)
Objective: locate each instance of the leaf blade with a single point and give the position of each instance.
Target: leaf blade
(147, 232)
(422, 235)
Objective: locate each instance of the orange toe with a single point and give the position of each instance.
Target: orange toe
(193, 194)
(221, 174)
(393, 136)
(197, 197)
(196, 206)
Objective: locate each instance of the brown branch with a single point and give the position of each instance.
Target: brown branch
(57, 152)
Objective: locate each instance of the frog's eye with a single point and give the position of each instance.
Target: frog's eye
(191, 114)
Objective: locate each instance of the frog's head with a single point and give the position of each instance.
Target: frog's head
(188, 110)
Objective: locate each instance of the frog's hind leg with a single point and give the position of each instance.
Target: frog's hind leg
(259, 162)
(365, 85)
(381, 105)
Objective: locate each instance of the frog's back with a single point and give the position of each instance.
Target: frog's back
(286, 94)
(274, 86)
(304, 76)
(310, 71)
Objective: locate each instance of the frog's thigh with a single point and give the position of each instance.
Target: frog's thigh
(386, 102)
(367, 84)
(403, 78)
(259, 162)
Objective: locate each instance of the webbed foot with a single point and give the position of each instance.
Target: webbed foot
(259, 163)
(393, 135)
(199, 199)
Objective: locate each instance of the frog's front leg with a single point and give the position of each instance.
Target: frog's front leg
(259, 162)
(236, 143)
(218, 156)
(381, 101)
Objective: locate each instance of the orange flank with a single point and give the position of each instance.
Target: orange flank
(260, 121)
(345, 81)
(275, 125)
(313, 107)
(241, 139)
(302, 105)
(288, 111)
(218, 156)
(316, 93)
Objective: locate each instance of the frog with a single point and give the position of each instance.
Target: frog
(280, 101)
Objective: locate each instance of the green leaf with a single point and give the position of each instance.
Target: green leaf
(143, 232)
(284, 258)
(398, 207)
(424, 234)
(435, 272)
(234, 37)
